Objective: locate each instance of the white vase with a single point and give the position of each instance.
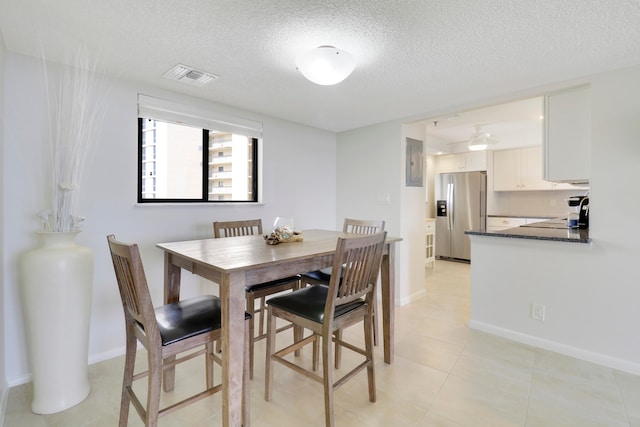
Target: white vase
(57, 281)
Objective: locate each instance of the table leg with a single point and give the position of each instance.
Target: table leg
(387, 279)
(233, 352)
(171, 280)
(171, 294)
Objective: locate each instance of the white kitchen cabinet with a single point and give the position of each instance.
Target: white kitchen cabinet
(449, 163)
(519, 170)
(430, 241)
(475, 161)
(567, 135)
(506, 170)
(462, 162)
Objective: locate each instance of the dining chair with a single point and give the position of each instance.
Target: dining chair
(324, 309)
(323, 276)
(259, 291)
(188, 326)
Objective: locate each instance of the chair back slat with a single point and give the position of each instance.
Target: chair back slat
(362, 226)
(129, 296)
(358, 260)
(237, 228)
(132, 284)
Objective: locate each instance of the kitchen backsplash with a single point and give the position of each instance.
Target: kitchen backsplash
(530, 203)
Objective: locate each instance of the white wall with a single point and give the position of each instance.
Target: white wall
(370, 171)
(3, 377)
(367, 163)
(591, 291)
(367, 184)
(298, 171)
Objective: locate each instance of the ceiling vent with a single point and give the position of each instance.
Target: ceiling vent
(189, 75)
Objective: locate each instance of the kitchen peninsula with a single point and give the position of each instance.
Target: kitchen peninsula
(524, 287)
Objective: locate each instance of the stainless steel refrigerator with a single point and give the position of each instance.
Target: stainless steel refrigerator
(461, 205)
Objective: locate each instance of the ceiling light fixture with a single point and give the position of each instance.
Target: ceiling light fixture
(326, 65)
(480, 140)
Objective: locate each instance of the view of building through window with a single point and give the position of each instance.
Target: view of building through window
(174, 159)
(230, 172)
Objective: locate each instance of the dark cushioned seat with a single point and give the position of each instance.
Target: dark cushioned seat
(323, 275)
(267, 285)
(188, 318)
(310, 302)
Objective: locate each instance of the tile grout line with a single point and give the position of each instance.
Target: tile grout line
(526, 412)
(435, 396)
(624, 403)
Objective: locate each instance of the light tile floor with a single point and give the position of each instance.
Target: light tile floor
(444, 375)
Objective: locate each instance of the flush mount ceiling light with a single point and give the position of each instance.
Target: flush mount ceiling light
(326, 65)
(480, 140)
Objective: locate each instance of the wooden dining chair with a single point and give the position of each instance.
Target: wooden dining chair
(323, 276)
(189, 326)
(324, 309)
(259, 291)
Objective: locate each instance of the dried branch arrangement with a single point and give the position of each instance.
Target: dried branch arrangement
(75, 116)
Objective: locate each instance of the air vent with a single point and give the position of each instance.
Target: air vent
(189, 75)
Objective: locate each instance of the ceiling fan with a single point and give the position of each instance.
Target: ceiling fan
(480, 140)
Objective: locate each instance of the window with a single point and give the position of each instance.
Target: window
(183, 157)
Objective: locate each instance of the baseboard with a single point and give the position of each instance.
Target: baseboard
(557, 347)
(96, 358)
(21, 380)
(411, 298)
(101, 357)
(4, 396)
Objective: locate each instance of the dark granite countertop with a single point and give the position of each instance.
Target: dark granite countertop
(553, 229)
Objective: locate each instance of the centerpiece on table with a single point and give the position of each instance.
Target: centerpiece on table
(283, 232)
(57, 276)
(283, 235)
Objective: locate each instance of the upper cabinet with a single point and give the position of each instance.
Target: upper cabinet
(462, 162)
(519, 169)
(567, 136)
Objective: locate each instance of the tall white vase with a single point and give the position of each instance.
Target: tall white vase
(57, 282)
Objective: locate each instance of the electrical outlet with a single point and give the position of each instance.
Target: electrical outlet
(538, 312)
(552, 203)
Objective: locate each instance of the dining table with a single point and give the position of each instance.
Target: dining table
(235, 262)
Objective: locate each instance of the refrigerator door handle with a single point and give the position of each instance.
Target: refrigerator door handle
(450, 206)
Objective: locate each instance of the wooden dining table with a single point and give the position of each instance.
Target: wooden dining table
(235, 262)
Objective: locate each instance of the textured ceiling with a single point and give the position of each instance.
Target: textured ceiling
(414, 57)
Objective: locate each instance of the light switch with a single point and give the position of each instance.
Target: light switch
(383, 198)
